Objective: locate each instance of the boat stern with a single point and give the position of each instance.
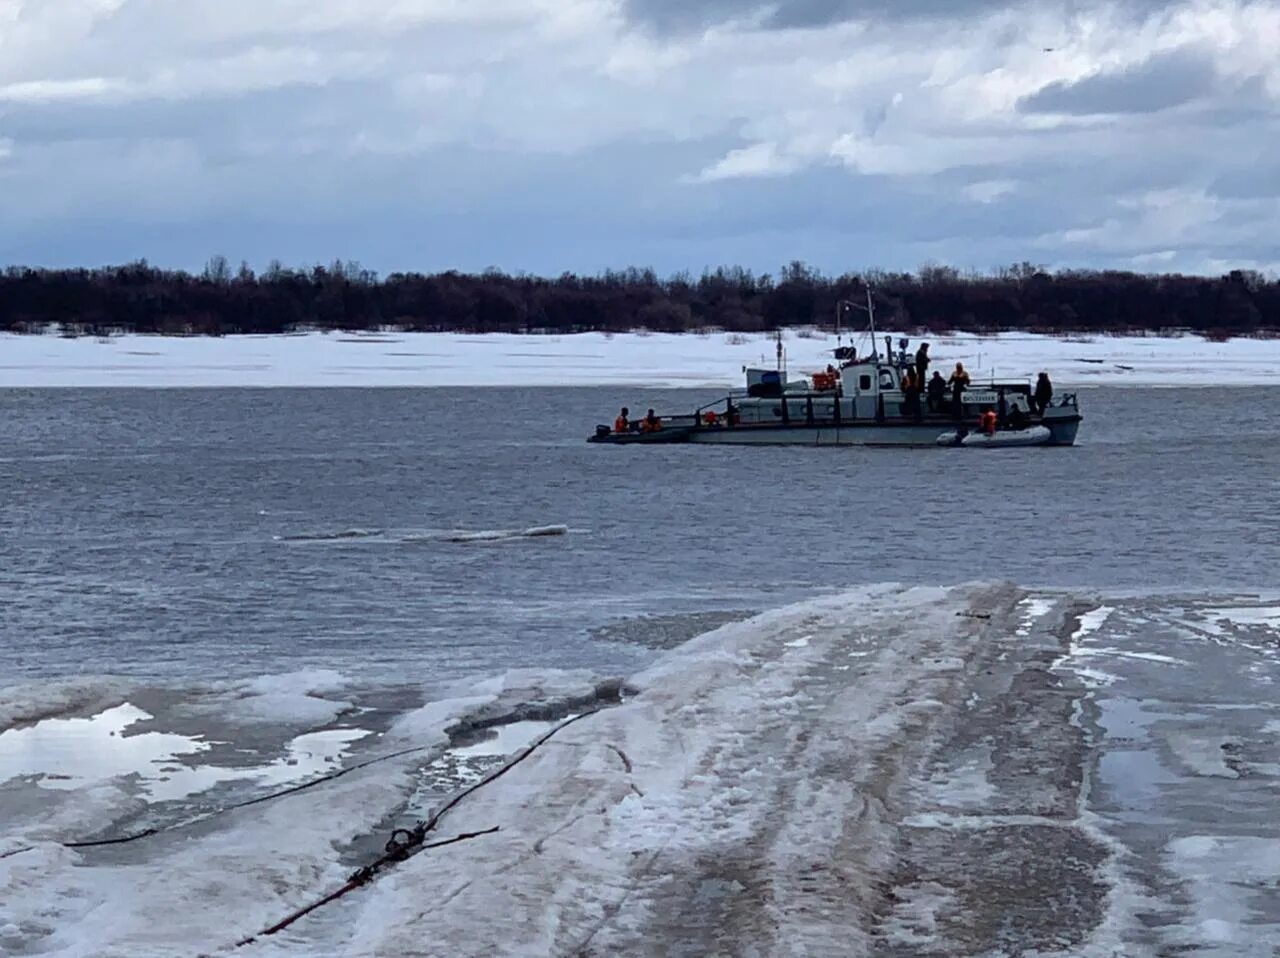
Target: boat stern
(1063, 421)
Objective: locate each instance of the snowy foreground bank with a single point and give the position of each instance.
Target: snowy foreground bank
(715, 360)
(977, 770)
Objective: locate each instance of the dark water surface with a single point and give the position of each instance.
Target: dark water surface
(182, 533)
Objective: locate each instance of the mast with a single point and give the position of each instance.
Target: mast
(871, 318)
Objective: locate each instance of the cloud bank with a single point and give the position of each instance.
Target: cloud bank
(579, 134)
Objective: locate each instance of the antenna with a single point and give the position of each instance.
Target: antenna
(870, 310)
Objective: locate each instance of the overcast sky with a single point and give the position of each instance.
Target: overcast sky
(552, 135)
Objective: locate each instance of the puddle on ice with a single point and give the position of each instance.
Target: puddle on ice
(506, 740)
(464, 765)
(1123, 718)
(1134, 779)
(70, 753)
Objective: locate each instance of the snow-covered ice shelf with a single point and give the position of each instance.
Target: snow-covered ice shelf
(923, 771)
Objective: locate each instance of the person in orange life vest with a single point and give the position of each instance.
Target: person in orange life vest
(622, 424)
(710, 418)
(911, 392)
(988, 420)
(651, 423)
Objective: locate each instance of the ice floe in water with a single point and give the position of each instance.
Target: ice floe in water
(339, 536)
(32, 701)
(502, 535)
(456, 536)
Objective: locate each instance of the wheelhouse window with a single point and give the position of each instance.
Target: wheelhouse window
(864, 382)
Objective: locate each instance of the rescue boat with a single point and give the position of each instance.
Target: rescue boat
(860, 401)
(1034, 436)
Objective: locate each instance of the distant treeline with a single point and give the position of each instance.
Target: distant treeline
(137, 297)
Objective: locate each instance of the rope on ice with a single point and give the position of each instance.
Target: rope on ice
(124, 839)
(404, 843)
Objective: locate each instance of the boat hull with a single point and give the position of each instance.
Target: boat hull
(1062, 432)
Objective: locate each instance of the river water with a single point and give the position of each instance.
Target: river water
(241, 532)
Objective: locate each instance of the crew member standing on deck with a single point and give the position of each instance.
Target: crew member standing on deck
(958, 382)
(937, 391)
(1043, 394)
(911, 393)
(621, 424)
(922, 364)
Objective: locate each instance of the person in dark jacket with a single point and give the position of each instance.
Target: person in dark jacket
(1043, 394)
(937, 392)
(1017, 418)
(922, 364)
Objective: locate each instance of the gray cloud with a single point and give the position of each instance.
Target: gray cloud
(674, 15)
(678, 15)
(548, 137)
(1160, 83)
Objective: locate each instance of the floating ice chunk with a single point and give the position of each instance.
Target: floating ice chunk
(293, 698)
(48, 698)
(427, 725)
(505, 535)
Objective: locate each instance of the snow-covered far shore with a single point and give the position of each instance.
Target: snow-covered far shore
(712, 360)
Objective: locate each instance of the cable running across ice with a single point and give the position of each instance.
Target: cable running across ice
(414, 841)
